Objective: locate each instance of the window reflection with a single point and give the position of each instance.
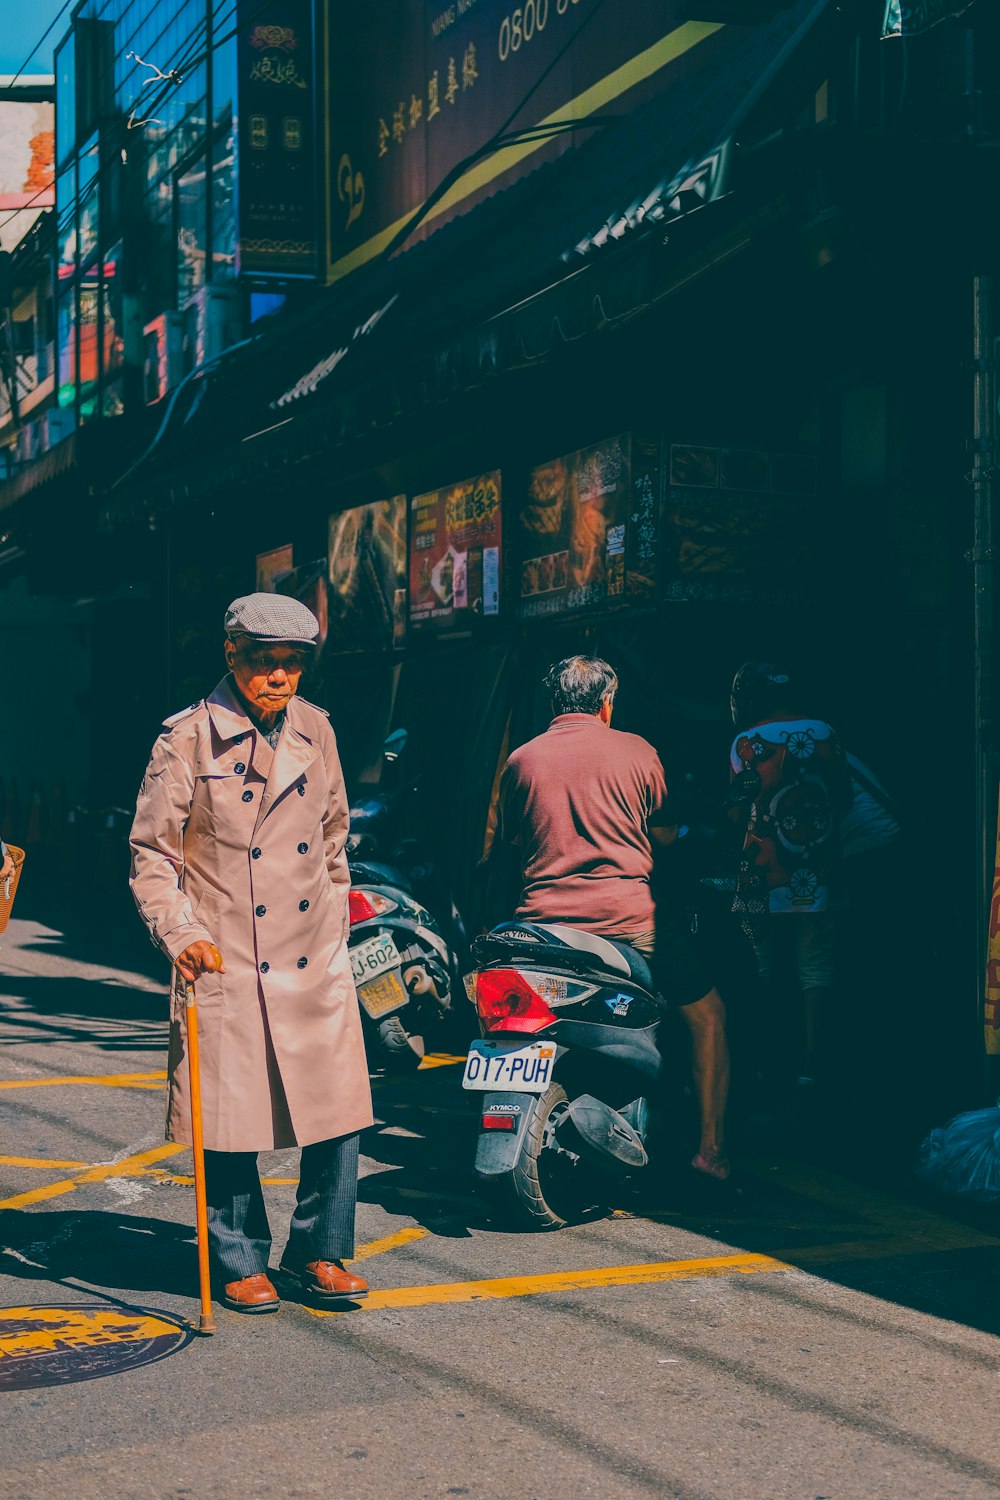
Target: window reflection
(112, 339)
(88, 366)
(66, 338)
(191, 229)
(66, 98)
(223, 210)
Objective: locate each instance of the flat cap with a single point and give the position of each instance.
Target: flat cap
(272, 617)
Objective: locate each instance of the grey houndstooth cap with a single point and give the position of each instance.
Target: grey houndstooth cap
(272, 617)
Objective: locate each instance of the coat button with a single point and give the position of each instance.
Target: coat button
(303, 906)
(265, 966)
(261, 911)
(303, 848)
(255, 854)
(300, 963)
(301, 790)
(239, 739)
(240, 767)
(248, 796)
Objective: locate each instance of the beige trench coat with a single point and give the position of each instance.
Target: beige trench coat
(243, 846)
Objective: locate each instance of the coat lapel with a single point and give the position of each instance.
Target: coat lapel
(293, 756)
(229, 718)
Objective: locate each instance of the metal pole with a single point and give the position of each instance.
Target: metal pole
(981, 557)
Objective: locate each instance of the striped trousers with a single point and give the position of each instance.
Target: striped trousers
(322, 1226)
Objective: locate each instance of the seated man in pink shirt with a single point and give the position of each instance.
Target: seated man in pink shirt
(585, 803)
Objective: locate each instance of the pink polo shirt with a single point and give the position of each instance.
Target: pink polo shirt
(579, 800)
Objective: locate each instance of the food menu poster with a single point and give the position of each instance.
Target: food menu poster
(739, 522)
(455, 542)
(366, 576)
(587, 534)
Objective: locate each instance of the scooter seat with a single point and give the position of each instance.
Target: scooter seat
(597, 951)
(638, 965)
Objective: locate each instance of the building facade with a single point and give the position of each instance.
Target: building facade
(671, 364)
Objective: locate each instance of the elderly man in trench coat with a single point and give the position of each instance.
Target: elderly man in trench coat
(238, 847)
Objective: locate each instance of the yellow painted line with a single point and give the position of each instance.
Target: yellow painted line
(566, 1281)
(389, 1242)
(108, 1080)
(40, 1161)
(129, 1166)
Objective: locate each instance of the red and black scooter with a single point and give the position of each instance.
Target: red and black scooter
(565, 1069)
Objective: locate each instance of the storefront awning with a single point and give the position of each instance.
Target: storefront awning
(508, 282)
(89, 456)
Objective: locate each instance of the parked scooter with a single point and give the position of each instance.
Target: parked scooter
(567, 1067)
(406, 963)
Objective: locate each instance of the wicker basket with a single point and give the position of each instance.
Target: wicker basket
(8, 887)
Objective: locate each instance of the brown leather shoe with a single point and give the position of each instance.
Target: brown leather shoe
(327, 1281)
(254, 1294)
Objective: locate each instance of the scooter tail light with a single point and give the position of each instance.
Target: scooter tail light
(359, 908)
(506, 1002)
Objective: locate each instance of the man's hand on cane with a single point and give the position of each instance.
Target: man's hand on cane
(199, 958)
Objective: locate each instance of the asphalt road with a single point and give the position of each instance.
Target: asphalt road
(833, 1339)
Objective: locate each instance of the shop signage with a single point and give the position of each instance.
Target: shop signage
(416, 89)
(271, 566)
(739, 523)
(276, 191)
(588, 528)
(367, 576)
(455, 541)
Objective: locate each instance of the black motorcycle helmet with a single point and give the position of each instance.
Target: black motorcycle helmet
(759, 688)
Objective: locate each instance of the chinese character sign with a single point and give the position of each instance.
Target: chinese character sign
(574, 530)
(455, 552)
(276, 195)
(415, 88)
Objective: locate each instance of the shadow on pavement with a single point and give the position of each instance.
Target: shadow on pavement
(97, 929)
(103, 1248)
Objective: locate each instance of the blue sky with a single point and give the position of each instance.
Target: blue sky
(23, 25)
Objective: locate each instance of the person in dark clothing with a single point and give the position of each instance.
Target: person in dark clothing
(790, 785)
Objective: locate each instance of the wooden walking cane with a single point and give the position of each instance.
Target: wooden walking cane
(206, 1323)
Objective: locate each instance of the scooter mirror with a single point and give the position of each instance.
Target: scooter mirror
(395, 744)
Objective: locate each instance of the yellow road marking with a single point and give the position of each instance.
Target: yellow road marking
(389, 1242)
(127, 1167)
(40, 1161)
(565, 1281)
(108, 1080)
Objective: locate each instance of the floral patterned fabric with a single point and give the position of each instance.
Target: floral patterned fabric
(795, 783)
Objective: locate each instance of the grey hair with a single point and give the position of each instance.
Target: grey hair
(581, 684)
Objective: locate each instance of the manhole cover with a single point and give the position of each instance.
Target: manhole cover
(81, 1341)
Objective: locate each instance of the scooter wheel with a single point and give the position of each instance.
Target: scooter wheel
(546, 1190)
(401, 1052)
